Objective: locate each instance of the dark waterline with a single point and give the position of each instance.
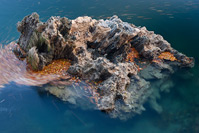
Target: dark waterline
(25, 109)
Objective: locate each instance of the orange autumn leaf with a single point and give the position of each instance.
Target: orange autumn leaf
(167, 56)
(132, 55)
(57, 67)
(158, 61)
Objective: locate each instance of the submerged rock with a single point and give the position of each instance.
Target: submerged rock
(119, 59)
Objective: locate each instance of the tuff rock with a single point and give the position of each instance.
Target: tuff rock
(98, 51)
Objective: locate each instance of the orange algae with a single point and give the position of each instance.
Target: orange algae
(132, 55)
(167, 56)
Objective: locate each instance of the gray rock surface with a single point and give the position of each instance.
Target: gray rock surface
(50, 39)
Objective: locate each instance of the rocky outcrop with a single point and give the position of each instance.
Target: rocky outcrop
(44, 42)
(150, 46)
(99, 51)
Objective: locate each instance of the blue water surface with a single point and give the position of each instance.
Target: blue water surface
(27, 109)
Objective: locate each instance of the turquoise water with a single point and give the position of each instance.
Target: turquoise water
(27, 109)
